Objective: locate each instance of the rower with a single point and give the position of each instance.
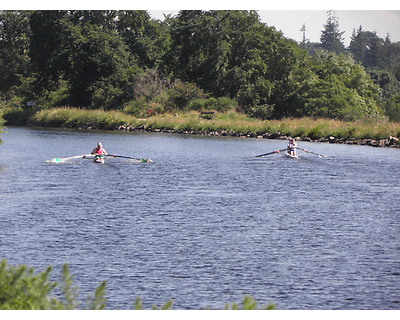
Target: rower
(99, 152)
(291, 149)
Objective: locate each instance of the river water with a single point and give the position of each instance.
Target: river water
(207, 222)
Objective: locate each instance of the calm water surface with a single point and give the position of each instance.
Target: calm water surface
(207, 222)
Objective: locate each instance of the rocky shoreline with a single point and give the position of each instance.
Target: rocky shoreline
(390, 142)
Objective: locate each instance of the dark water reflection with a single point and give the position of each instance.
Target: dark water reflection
(206, 223)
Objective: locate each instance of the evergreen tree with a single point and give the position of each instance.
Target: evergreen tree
(331, 36)
(305, 42)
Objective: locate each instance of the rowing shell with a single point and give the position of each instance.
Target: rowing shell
(291, 156)
(99, 160)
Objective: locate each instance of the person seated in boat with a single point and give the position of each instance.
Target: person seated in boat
(291, 150)
(99, 152)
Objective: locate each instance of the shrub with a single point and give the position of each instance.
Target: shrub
(137, 108)
(221, 104)
(249, 303)
(21, 289)
(261, 111)
(317, 132)
(182, 93)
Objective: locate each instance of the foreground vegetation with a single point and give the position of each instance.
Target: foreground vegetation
(22, 289)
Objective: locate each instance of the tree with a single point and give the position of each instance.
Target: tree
(91, 57)
(100, 74)
(366, 47)
(334, 86)
(231, 53)
(14, 46)
(305, 42)
(147, 39)
(331, 37)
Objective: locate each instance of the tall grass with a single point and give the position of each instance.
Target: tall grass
(229, 121)
(296, 127)
(79, 118)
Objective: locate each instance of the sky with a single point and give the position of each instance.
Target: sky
(291, 21)
(288, 16)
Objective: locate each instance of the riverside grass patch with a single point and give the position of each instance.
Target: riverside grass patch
(230, 121)
(295, 127)
(82, 118)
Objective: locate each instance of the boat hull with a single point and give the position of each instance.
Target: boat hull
(288, 155)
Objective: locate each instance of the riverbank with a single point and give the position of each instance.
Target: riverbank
(377, 133)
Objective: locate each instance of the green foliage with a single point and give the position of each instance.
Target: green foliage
(182, 93)
(392, 108)
(70, 291)
(137, 108)
(316, 132)
(108, 59)
(14, 46)
(221, 104)
(147, 40)
(261, 111)
(21, 289)
(138, 305)
(337, 88)
(98, 301)
(249, 303)
(331, 37)
(17, 116)
(79, 118)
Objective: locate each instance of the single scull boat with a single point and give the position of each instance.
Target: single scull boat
(291, 156)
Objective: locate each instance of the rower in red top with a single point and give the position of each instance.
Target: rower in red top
(99, 153)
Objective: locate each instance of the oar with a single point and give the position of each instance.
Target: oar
(319, 155)
(267, 154)
(126, 157)
(57, 160)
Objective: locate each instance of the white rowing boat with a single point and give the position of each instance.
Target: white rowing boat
(291, 156)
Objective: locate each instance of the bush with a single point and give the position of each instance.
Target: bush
(21, 289)
(182, 93)
(261, 111)
(137, 108)
(317, 132)
(249, 303)
(221, 104)
(392, 109)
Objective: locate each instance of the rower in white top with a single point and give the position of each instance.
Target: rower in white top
(292, 148)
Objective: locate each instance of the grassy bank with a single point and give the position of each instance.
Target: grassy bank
(228, 123)
(303, 127)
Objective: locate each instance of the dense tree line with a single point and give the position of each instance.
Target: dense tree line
(213, 59)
